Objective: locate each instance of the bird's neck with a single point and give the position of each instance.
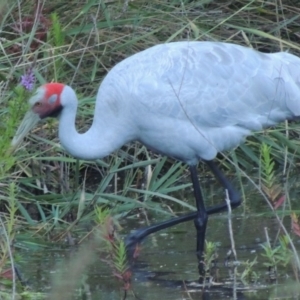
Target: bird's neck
(97, 142)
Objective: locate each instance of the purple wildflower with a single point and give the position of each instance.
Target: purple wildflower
(27, 80)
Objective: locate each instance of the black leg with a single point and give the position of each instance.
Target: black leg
(234, 196)
(200, 221)
(202, 213)
(199, 217)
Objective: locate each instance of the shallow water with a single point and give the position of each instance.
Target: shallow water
(168, 262)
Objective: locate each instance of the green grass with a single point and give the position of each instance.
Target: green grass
(78, 46)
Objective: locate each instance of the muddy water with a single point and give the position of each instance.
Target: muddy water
(167, 264)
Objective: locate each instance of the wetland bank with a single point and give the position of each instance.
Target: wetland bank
(51, 204)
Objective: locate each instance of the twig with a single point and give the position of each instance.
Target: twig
(234, 289)
(269, 245)
(230, 225)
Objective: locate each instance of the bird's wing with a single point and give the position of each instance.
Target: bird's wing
(210, 84)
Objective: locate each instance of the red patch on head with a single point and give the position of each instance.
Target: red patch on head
(54, 88)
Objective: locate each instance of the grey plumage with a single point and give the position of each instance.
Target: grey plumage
(191, 100)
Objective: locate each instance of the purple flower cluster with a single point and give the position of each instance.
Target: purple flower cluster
(28, 80)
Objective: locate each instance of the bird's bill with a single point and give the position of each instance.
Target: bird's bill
(29, 121)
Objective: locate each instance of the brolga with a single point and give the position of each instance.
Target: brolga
(187, 100)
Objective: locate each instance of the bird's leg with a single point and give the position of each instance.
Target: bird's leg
(202, 213)
(200, 222)
(234, 196)
(138, 235)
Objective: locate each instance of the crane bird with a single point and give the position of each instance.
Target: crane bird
(187, 100)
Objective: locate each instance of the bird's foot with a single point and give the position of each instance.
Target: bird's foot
(132, 243)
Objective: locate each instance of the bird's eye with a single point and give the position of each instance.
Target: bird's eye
(38, 104)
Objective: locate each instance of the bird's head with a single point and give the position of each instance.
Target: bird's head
(46, 102)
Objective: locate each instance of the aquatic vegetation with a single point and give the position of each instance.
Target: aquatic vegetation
(52, 196)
